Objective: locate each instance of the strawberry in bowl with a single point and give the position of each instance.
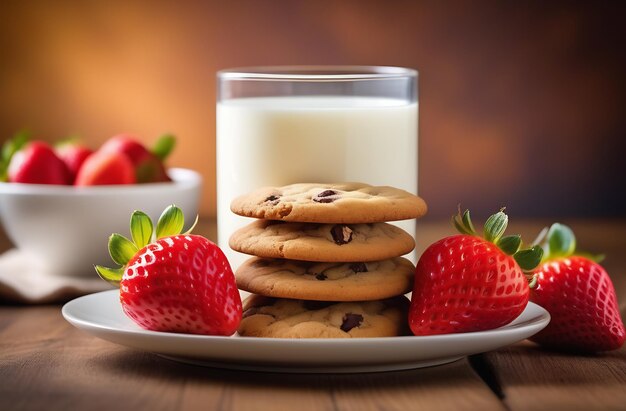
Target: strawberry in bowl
(171, 281)
(73, 154)
(122, 159)
(147, 164)
(61, 221)
(467, 283)
(34, 162)
(106, 168)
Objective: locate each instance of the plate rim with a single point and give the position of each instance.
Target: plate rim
(539, 319)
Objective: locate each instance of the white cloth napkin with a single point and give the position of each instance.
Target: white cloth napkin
(23, 280)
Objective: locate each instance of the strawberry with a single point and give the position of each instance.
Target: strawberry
(466, 283)
(148, 164)
(580, 297)
(73, 155)
(36, 163)
(178, 283)
(105, 168)
(9, 148)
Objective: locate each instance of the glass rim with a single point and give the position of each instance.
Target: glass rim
(317, 73)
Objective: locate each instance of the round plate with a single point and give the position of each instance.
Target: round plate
(101, 315)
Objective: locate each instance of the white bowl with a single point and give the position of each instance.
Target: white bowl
(66, 229)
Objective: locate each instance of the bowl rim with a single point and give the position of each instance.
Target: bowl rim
(181, 177)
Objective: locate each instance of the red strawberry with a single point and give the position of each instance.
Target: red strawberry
(37, 163)
(579, 295)
(466, 283)
(9, 148)
(179, 283)
(148, 164)
(73, 155)
(102, 168)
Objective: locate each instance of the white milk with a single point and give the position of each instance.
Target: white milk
(283, 140)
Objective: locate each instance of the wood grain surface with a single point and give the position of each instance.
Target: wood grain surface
(46, 364)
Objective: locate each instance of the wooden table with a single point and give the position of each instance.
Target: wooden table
(46, 364)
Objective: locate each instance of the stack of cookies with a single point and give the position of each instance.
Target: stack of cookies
(326, 265)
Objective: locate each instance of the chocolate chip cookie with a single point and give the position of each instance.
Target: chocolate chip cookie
(330, 203)
(322, 242)
(282, 318)
(357, 281)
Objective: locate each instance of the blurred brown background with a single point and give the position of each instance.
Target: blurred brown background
(521, 104)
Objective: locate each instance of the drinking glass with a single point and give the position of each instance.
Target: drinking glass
(284, 125)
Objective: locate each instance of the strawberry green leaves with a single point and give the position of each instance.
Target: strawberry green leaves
(164, 146)
(495, 226)
(463, 222)
(559, 241)
(122, 250)
(141, 228)
(110, 275)
(529, 258)
(510, 244)
(170, 223)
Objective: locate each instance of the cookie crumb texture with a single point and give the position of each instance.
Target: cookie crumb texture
(357, 281)
(322, 242)
(283, 318)
(330, 203)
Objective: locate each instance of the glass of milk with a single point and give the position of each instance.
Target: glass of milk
(284, 125)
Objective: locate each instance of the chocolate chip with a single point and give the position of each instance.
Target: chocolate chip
(350, 321)
(273, 199)
(342, 234)
(327, 193)
(321, 276)
(358, 267)
(326, 196)
(316, 305)
(324, 199)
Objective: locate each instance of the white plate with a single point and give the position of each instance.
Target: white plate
(101, 315)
